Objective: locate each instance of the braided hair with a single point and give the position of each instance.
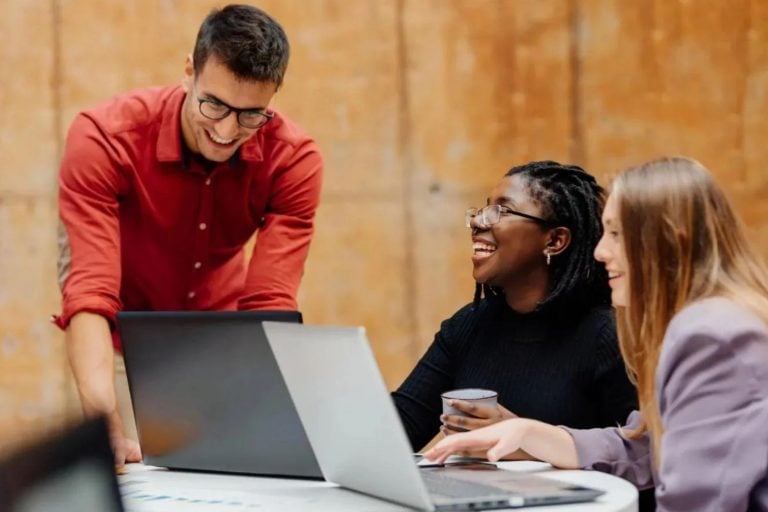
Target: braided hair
(568, 196)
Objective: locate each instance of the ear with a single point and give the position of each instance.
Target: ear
(558, 241)
(189, 74)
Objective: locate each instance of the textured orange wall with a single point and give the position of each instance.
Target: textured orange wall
(419, 105)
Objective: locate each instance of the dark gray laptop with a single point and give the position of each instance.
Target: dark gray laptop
(72, 471)
(357, 436)
(208, 395)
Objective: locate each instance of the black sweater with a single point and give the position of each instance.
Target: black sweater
(563, 371)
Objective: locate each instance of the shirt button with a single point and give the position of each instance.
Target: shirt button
(208, 181)
(198, 264)
(203, 226)
(191, 295)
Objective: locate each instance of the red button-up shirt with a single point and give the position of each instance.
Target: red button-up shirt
(147, 227)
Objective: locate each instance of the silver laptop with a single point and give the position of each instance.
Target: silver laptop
(208, 395)
(360, 443)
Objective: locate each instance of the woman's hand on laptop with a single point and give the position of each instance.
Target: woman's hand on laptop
(542, 441)
(478, 417)
(494, 442)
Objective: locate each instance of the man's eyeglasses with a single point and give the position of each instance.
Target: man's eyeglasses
(487, 216)
(247, 118)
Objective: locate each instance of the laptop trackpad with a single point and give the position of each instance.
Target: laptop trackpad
(487, 479)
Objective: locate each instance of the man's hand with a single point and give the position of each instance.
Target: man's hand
(126, 451)
(91, 356)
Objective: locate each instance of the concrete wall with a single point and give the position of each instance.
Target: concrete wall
(420, 106)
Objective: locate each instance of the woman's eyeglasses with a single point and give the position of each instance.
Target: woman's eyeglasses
(487, 216)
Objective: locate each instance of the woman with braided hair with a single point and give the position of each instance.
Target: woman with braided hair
(540, 331)
(691, 295)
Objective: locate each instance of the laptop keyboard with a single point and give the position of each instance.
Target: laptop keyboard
(444, 485)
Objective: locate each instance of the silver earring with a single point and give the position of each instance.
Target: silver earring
(549, 257)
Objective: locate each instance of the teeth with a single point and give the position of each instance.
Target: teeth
(219, 140)
(611, 275)
(481, 247)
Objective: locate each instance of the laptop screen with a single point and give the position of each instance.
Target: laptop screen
(208, 395)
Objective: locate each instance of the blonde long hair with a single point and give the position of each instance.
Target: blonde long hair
(683, 243)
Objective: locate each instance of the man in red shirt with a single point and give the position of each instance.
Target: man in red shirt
(161, 188)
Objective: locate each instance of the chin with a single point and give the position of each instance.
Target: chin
(218, 156)
(212, 153)
(479, 278)
(618, 300)
(486, 282)
(480, 274)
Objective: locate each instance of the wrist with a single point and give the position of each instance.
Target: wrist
(114, 425)
(531, 433)
(549, 443)
(527, 427)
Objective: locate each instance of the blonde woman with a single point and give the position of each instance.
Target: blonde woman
(692, 305)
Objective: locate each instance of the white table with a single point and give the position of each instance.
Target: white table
(150, 489)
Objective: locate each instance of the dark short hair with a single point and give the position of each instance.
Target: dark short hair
(245, 39)
(568, 196)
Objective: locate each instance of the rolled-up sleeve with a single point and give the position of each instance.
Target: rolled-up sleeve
(89, 238)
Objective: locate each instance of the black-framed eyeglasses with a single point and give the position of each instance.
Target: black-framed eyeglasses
(246, 117)
(487, 216)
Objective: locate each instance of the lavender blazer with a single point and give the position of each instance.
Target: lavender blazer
(712, 385)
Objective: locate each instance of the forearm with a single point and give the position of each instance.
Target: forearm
(283, 240)
(91, 357)
(550, 444)
(277, 265)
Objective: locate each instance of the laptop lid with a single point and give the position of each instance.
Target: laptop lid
(360, 442)
(69, 472)
(347, 412)
(208, 395)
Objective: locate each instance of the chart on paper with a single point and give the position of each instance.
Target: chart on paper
(142, 496)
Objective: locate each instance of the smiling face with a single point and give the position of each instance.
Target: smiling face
(610, 251)
(219, 140)
(510, 253)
